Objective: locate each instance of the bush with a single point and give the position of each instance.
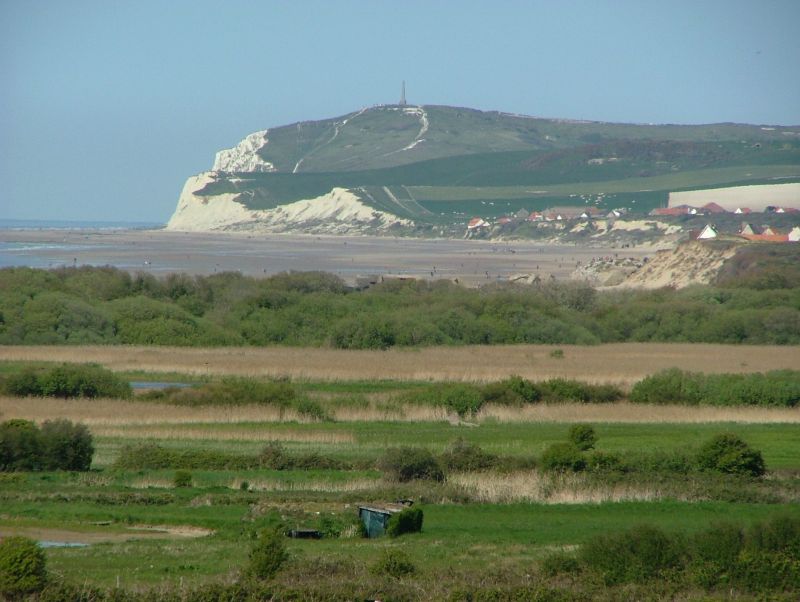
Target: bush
(714, 552)
(559, 563)
(666, 387)
(68, 381)
(563, 457)
(582, 436)
(777, 388)
(408, 520)
(779, 534)
(463, 399)
(605, 462)
(182, 478)
(465, 456)
(515, 390)
(66, 446)
(23, 384)
(729, 454)
(267, 555)
(562, 389)
(638, 555)
(394, 563)
(407, 463)
(229, 391)
(23, 567)
(312, 409)
(20, 446)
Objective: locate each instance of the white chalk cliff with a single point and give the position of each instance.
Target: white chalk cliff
(200, 209)
(338, 212)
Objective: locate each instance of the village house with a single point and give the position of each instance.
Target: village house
(708, 233)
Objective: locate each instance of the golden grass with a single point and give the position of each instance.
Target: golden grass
(622, 363)
(533, 486)
(182, 433)
(124, 418)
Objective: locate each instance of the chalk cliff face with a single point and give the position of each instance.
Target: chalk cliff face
(338, 212)
(244, 156)
(214, 201)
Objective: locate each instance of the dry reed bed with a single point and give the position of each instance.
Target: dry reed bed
(622, 363)
(123, 418)
(532, 486)
(485, 487)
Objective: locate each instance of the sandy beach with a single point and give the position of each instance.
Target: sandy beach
(160, 252)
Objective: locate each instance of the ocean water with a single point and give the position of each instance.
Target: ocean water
(41, 224)
(36, 254)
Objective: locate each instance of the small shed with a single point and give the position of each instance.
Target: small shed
(376, 518)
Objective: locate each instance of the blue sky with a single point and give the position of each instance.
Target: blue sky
(107, 106)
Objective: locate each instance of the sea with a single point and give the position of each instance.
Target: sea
(27, 253)
(62, 224)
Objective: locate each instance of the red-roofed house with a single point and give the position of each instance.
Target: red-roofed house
(714, 208)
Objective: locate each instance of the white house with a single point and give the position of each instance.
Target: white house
(708, 233)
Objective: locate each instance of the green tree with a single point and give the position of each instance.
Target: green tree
(267, 555)
(23, 567)
(582, 436)
(66, 446)
(729, 454)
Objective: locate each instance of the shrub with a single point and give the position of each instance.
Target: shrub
(311, 409)
(20, 446)
(464, 400)
(23, 384)
(713, 553)
(460, 398)
(727, 453)
(669, 386)
(274, 456)
(267, 555)
(638, 555)
(408, 520)
(605, 462)
(582, 436)
(563, 457)
(779, 534)
(23, 568)
(228, 391)
(67, 381)
(515, 390)
(562, 389)
(182, 478)
(83, 380)
(767, 571)
(559, 563)
(66, 446)
(408, 463)
(394, 563)
(464, 456)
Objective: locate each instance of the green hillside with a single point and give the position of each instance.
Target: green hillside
(435, 163)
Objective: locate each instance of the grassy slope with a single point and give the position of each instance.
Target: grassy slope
(532, 177)
(471, 155)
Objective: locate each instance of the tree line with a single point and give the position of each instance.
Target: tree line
(89, 305)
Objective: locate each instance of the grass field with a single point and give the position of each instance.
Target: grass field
(480, 528)
(622, 364)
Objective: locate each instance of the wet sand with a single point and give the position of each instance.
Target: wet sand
(160, 252)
